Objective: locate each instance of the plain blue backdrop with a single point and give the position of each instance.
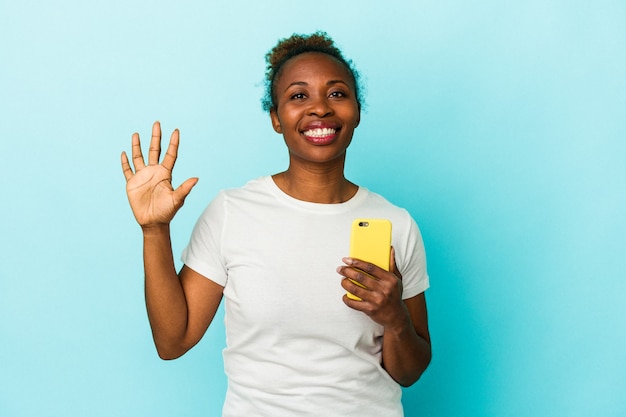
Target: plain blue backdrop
(499, 125)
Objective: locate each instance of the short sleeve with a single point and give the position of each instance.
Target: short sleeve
(203, 254)
(411, 261)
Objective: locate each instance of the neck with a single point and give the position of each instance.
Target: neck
(315, 184)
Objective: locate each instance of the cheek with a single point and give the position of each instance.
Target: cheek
(288, 115)
(354, 115)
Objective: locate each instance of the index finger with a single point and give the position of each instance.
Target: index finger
(393, 267)
(172, 151)
(366, 267)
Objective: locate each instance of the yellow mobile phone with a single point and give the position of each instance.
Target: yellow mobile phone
(370, 241)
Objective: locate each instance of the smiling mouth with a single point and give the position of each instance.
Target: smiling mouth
(319, 133)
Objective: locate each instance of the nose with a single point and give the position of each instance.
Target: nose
(320, 106)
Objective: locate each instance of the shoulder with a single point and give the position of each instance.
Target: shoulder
(252, 190)
(253, 198)
(377, 202)
(230, 205)
(405, 229)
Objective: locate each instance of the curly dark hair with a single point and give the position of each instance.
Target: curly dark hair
(297, 44)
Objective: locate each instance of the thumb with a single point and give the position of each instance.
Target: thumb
(184, 189)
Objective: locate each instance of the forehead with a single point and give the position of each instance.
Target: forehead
(314, 65)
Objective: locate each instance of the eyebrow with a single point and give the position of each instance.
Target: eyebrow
(329, 83)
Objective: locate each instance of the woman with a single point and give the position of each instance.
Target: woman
(296, 344)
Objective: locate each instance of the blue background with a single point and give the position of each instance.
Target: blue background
(499, 125)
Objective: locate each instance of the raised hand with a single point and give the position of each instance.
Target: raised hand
(152, 198)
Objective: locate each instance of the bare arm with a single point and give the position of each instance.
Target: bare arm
(180, 306)
(406, 348)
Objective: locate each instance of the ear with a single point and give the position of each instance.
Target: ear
(275, 121)
(358, 117)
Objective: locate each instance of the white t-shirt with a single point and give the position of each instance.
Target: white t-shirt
(293, 347)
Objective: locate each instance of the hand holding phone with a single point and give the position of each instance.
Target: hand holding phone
(370, 241)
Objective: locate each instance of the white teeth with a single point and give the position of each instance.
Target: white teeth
(320, 132)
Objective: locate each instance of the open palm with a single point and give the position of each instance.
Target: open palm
(149, 189)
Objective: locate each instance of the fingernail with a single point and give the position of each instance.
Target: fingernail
(347, 261)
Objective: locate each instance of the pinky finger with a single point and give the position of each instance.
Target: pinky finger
(128, 172)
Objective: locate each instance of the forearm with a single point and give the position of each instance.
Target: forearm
(406, 354)
(165, 298)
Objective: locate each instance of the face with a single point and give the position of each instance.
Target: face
(316, 109)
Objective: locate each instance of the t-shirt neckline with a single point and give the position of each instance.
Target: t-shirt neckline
(354, 201)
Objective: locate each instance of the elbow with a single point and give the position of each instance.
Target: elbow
(411, 379)
(170, 347)
(168, 353)
(168, 356)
